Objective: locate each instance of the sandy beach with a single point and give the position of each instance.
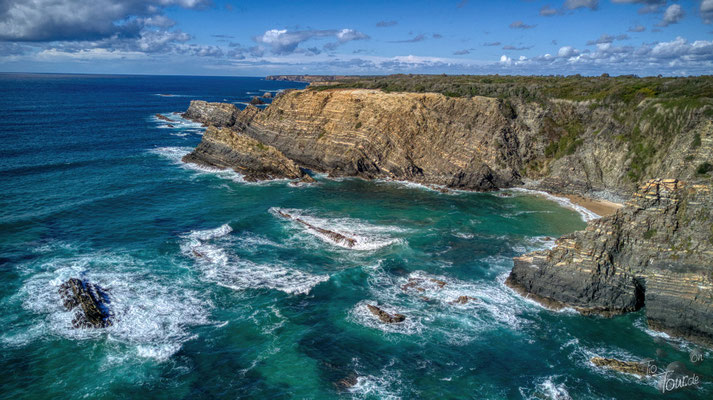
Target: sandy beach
(599, 207)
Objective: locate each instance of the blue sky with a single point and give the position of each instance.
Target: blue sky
(257, 38)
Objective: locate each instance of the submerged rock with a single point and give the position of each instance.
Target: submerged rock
(163, 118)
(386, 317)
(420, 284)
(464, 300)
(627, 367)
(347, 382)
(224, 148)
(335, 236)
(92, 301)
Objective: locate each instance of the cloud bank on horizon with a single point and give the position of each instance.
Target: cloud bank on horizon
(215, 37)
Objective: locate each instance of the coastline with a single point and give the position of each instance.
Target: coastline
(600, 207)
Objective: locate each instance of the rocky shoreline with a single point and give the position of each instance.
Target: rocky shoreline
(655, 252)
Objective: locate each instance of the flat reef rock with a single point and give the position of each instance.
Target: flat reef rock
(224, 148)
(655, 252)
(627, 367)
(216, 114)
(384, 316)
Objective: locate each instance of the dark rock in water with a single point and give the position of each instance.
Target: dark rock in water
(384, 316)
(224, 148)
(438, 282)
(627, 367)
(267, 95)
(464, 300)
(336, 237)
(216, 114)
(92, 300)
(348, 381)
(163, 118)
(256, 101)
(420, 284)
(170, 126)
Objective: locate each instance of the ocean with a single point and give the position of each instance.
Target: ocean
(215, 295)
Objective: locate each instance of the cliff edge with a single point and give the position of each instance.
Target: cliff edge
(655, 253)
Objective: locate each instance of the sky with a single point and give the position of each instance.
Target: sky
(258, 38)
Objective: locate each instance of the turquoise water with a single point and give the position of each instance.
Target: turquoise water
(215, 295)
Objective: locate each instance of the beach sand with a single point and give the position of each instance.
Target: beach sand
(599, 207)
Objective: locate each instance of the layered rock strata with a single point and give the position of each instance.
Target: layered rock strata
(656, 252)
(226, 149)
(216, 114)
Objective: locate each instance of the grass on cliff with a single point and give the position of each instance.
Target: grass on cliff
(626, 89)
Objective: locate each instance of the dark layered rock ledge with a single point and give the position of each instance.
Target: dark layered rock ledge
(655, 253)
(224, 148)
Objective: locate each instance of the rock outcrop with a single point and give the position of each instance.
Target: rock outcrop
(92, 302)
(384, 316)
(657, 253)
(224, 148)
(627, 367)
(479, 143)
(216, 114)
(654, 253)
(334, 236)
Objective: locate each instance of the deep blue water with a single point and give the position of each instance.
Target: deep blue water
(214, 295)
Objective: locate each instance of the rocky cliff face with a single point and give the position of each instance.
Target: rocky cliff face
(657, 253)
(426, 138)
(224, 148)
(216, 114)
(477, 143)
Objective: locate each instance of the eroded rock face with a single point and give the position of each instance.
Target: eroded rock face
(477, 143)
(426, 138)
(216, 114)
(92, 302)
(386, 317)
(656, 252)
(224, 148)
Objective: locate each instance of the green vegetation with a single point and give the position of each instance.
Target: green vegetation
(704, 168)
(568, 142)
(696, 141)
(627, 89)
(358, 125)
(649, 234)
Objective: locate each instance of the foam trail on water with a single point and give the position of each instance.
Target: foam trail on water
(176, 154)
(149, 314)
(586, 214)
(210, 249)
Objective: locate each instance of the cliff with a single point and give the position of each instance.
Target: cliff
(482, 143)
(224, 148)
(657, 253)
(216, 114)
(601, 137)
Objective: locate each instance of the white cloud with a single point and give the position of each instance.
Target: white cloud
(575, 4)
(647, 6)
(567, 52)
(282, 41)
(672, 15)
(707, 11)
